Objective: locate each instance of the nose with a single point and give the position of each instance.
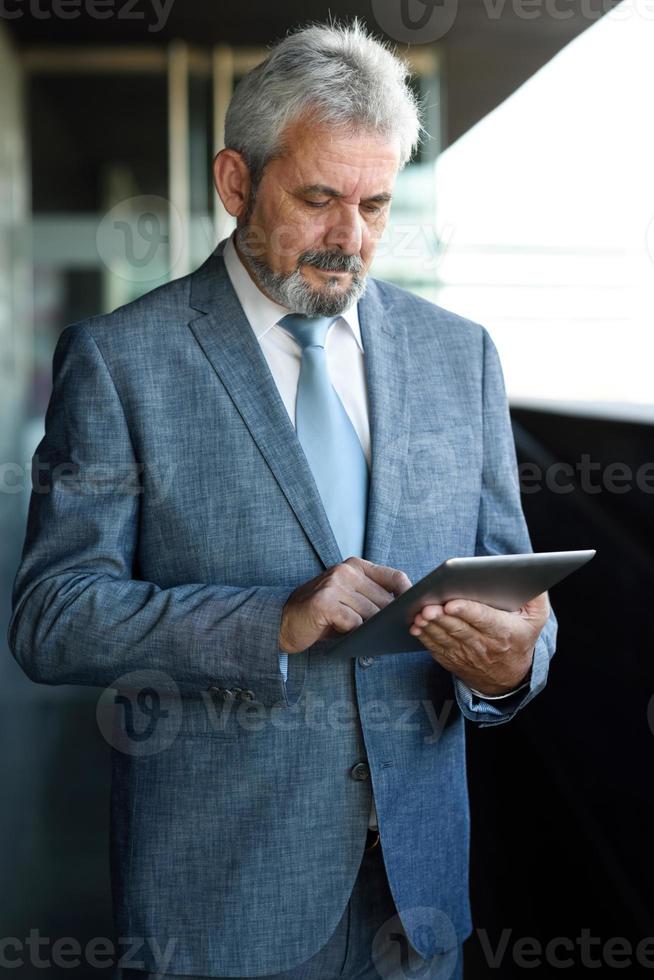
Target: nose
(347, 231)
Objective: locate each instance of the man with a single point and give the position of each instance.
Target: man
(308, 443)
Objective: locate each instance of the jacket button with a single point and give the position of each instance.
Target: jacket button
(360, 771)
(230, 694)
(247, 695)
(366, 661)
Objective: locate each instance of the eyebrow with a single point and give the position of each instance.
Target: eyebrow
(382, 198)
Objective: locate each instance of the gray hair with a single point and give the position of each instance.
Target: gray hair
(340, 74)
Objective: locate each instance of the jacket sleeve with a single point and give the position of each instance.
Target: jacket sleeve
(502, 530)
(79, 614)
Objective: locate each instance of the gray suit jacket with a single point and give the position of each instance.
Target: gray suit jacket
(173, 512)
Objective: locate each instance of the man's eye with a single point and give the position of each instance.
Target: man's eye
(317, 204)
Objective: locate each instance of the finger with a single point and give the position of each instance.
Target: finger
(435, 634)
(355, 598)
(453, 625)
(486, 619)
(426, 613)
(393, 579)
(453, 628)
(353, 578)
(375, 593)
(343, 619)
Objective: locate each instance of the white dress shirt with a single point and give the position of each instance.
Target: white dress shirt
(344, 354)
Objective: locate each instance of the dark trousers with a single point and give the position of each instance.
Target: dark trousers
(368, 942)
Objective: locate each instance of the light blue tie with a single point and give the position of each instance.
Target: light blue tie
(329, 441)
(328, 438)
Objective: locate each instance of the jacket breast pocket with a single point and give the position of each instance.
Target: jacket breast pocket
(143, 721)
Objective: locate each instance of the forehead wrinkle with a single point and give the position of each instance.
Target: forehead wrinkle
(319, 156)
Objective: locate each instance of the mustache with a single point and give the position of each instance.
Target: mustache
(331, 261)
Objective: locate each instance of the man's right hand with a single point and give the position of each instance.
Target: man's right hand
(337, 601)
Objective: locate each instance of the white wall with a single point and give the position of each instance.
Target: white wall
(546, 208)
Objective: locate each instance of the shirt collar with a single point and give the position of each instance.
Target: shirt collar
(263, 313)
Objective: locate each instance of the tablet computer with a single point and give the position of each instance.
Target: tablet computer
(503, 581)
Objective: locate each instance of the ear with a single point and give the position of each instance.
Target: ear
(232, 179)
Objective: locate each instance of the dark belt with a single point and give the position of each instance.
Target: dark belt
(372, 840)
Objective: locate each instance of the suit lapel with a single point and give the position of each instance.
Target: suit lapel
(386, 364)
(228, 342)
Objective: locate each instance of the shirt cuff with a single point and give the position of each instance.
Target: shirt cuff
(498, 697)
(483, 703)
(283, 664)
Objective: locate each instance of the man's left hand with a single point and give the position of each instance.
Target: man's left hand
(488, 649)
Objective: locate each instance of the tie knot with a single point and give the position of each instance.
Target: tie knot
(309, 331)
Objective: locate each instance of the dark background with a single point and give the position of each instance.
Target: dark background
(561, 803)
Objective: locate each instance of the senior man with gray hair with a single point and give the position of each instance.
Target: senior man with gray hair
(279, 813)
